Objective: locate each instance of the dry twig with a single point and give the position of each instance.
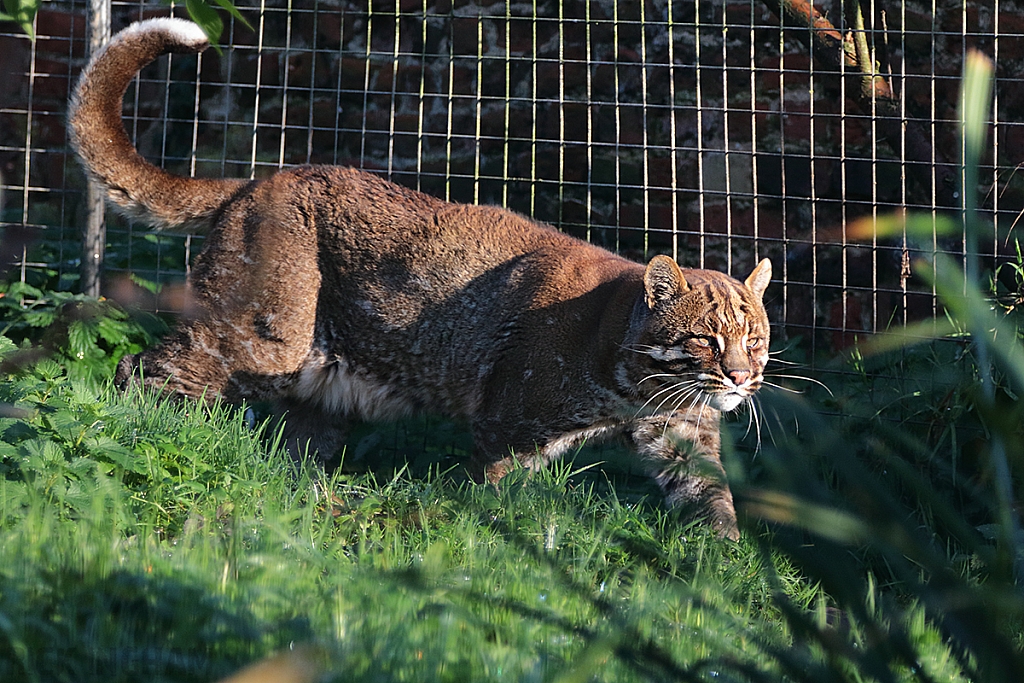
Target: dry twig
(851, 56)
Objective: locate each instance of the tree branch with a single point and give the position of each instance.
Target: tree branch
(851, 56)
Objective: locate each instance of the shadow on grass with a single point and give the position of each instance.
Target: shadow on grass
(125, 626)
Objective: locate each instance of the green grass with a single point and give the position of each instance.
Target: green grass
(144, 539)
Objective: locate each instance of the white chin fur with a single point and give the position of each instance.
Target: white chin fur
(726, 401)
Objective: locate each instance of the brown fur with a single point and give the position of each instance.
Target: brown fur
(335, 293)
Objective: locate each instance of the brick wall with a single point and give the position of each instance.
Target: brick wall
(694, 127)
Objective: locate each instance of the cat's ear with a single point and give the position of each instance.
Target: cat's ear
(758, 280)
(663, 280)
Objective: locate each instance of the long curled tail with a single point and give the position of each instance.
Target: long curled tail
(136, 187)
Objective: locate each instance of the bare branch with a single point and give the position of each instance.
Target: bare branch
(851, 56)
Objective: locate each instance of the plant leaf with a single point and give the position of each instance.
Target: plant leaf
(976, 97)
(23, 12)
(827, 522)
(233, 11)
(207, 18)
(916, 225)
(971, 308)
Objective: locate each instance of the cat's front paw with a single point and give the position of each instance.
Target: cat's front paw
(699, 491)
(722, 518)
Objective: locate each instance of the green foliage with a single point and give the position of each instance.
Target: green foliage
(166, 540)
(85, 335)
(200, 11)
(206, 16)
(912, 481)
(21, 11)
(64, 439)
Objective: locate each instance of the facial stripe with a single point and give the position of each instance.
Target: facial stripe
(668, 353)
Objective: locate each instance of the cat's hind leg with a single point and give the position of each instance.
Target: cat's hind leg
(175, 368)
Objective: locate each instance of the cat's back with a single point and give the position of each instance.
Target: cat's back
(403, 217)
(367, 227)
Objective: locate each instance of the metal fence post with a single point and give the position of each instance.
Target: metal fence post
(94, 238)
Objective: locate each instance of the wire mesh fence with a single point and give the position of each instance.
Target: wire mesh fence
(719, 133)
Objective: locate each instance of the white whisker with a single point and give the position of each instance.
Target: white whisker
(806, 379)
(758, 420)
(676, 391)
(755, 419)
(675, 386)
(751, 412)
(796, 421)
(684, 397)
(789, 347)
(700, 415)
(782, 388)
(683, 393)
(643, 349)
(768, 425)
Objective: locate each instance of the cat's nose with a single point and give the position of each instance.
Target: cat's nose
(739, 377)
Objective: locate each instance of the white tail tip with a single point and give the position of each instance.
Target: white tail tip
(183, 31)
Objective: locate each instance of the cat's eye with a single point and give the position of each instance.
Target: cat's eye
(704, 342)
(754, 344)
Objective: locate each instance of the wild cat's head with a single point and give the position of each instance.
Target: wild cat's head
(698, 338)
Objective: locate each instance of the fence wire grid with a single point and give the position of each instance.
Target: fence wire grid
(719, 133)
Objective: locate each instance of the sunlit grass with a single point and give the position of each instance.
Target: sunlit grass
(168, 541)
(211, 548)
